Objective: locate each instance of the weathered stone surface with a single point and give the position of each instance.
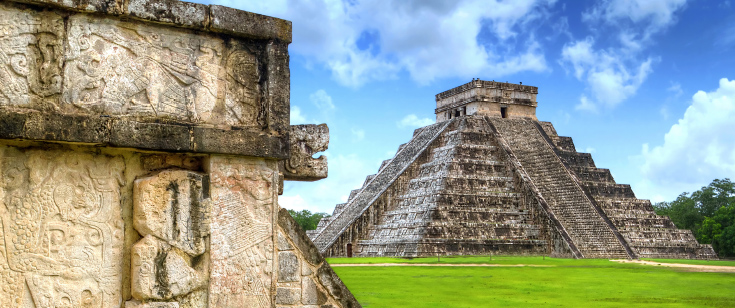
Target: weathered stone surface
(162, 272)
(288, 267)
(174, 206)
(249, 24)
(129, 69)
(140, 84)
(283, 243)
(176, 12)
(288, 296)
(309, 292)
(31, 57)
(112, 7)
(307, 140)
(242, 237)
(138, 304)
(62, 230)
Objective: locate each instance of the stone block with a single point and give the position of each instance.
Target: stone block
(162, 272)
(288, 267)
(180, 13)
(63, 230)
(242, 243)
(173, 205)
(229, 20)
(138, 304)
(309, 291)
(112, 7)
(288, 296)
(283, 243)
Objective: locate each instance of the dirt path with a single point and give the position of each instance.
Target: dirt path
(689, 267)
(692, 267)
(434, 264)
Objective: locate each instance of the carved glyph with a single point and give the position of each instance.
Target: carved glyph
(242, 246)
(123, 68)
(242, 97)
(62, 230)
(31, 57)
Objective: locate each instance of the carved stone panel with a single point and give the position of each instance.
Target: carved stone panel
(173, 205)
(243, 103)
(242, 238)
(122, 68)
(31, 52)
(61, 237)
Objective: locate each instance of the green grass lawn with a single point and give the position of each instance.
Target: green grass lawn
(567, 283)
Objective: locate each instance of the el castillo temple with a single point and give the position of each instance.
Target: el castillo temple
(144, 144)
(489, 178)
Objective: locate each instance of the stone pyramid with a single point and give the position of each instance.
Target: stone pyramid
(488, 178)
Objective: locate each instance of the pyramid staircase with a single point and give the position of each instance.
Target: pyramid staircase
(648, 234)
(481, 185)
(461, 199)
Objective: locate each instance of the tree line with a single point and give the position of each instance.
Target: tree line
(708, 212)
(306, 219)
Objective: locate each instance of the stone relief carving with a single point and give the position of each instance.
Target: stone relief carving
(171, 210)
(61, 229)
(242, 248)
(307, 140)
(243, 100)
(120, 68)
(31, 52)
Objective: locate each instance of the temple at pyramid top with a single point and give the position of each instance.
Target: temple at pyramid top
(487, 98)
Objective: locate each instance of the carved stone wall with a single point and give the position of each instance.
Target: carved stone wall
(143, 144)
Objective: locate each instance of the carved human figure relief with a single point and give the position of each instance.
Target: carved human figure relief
(241, 249)
(242, 101)
(31, 52)
(122, 68)
(62, 230)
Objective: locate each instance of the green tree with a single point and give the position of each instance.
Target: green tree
(306, 219)
(708, 212)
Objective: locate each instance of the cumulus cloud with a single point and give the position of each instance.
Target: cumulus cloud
(615, 73)
(700, 147)
(296, 116)
(322, 100)
(413, 121)
(654, 15)
(610, 76)
(359, 43)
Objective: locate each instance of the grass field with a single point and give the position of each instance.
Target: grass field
(565, 283)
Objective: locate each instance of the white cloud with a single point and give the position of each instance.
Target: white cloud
(614, 74)
(676, 89)
(322, 100)
(413, 121)
(428, 39)
(590, 150)
(610, 77)
(653, 15)
(296, 116)
(357, 134)
(697, 149)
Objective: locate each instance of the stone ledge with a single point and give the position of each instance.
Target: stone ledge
(116, 132)
(212, 18)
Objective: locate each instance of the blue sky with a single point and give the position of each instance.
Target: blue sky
(646, 86)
